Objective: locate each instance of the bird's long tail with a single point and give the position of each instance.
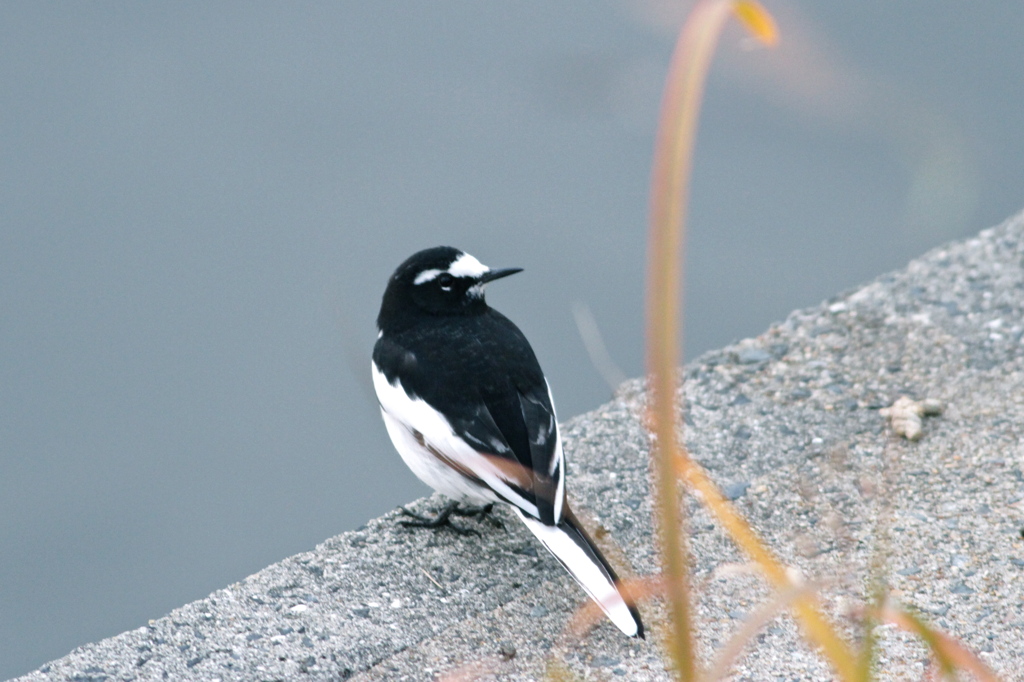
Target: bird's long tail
(576, 551)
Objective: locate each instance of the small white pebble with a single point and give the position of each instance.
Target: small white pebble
(796, 578)
(905, 415)
(299, 608)
(921, 318)
(396, 604)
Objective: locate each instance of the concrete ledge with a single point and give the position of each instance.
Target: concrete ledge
(788, 422)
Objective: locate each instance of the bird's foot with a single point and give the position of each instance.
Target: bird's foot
(442, 519)
(480, 513)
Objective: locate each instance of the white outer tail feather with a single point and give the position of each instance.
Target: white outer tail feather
(589, 574)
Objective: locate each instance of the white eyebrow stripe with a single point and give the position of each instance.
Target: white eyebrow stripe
(466, 266)
(426, 276)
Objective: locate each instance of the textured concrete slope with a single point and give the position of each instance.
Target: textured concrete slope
(788, 422)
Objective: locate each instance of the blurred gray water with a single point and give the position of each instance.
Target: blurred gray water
(200, 204)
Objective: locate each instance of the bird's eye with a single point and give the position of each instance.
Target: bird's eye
(445, 281)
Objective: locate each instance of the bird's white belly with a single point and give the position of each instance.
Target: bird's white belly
(429, 469)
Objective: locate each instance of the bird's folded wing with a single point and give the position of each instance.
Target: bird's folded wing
(519, 434)
(545, 447)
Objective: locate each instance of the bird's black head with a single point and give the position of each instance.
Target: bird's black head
(439, 281)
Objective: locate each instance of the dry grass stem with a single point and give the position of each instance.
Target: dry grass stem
(949, 653)
(753, 623)
(594, 343)
(806, 607)
(673, 159)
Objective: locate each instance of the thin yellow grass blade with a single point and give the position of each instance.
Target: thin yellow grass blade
(673, 159)
(869, 641)
(950, 654)
(806, 608)
(588, 614)
(753, 623)
(757, 20)
(474, 670)
(557, 671)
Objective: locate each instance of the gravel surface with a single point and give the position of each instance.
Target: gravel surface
(789, 423)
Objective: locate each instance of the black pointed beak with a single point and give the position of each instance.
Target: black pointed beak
(492, 275)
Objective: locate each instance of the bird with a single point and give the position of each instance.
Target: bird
(468, 408)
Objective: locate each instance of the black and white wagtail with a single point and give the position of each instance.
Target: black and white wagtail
(468, 408)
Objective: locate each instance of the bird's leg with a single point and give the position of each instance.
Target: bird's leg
(441, 519)
(470, 510)
(481, 513)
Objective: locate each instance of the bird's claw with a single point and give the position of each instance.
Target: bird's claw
(441, 520)
(481, 513)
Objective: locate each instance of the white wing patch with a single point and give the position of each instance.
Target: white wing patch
(406, 417)
(556, 461)
(467, 266)
(557, 467)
